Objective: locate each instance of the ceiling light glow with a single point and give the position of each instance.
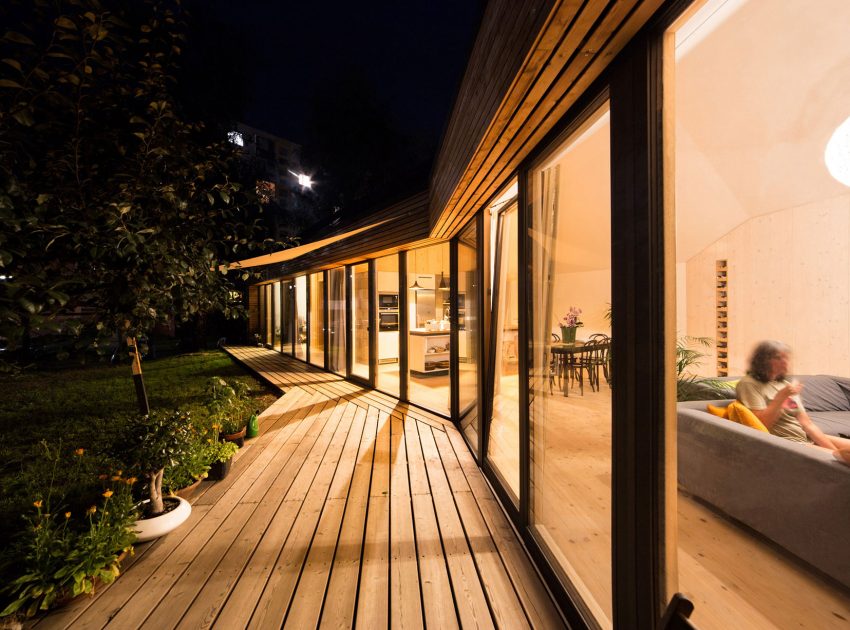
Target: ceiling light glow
(837, 153)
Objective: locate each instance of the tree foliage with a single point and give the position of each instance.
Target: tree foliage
(112, 203)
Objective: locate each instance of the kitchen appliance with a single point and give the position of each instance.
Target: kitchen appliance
(388, 301)
(388, 320)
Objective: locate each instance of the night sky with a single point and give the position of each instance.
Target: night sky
(414, 54)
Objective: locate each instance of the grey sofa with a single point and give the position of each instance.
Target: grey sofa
(793, 494)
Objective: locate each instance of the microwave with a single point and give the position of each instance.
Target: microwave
(388, 301)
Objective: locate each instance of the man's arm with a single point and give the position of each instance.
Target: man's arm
(770, 414)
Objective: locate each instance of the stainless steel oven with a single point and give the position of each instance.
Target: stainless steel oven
(388, 320)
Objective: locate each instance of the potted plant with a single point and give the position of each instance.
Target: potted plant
(152, 443)
(569, 323)
(229, 408)
(221, 457)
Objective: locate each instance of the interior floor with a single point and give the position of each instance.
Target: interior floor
(722, 566)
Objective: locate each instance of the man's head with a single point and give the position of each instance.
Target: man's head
(770, 361)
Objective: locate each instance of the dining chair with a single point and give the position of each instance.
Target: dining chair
(599, 357)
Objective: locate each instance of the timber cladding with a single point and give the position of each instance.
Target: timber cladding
(405, 224)
(505, 108)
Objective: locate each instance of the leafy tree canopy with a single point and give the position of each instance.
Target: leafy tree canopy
(112, 202)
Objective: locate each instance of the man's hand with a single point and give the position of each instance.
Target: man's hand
(791, 389)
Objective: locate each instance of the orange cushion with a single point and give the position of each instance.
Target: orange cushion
(723, 412)
(738, 412)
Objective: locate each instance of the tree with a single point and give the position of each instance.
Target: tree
(113, 204)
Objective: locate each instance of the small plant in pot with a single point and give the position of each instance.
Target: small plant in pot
(152, 443)
(229, 408)
(221, 456)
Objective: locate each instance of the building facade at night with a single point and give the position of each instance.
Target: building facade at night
(631, 174)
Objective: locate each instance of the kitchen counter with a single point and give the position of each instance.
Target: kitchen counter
(428, 333)
(428, 352)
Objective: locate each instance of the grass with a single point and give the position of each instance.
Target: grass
(75, 407)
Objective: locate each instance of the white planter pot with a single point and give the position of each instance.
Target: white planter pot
(150, 528)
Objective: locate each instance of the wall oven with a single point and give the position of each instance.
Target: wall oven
(388, 320)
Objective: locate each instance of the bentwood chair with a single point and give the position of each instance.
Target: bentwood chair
(598, 357)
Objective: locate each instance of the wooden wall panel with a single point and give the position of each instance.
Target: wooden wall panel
(575, 44)
(789, 279)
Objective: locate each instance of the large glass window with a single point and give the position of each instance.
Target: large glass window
(336, 320)
(267, 300)
(317, 319)
(468, 333)
(570, 401)
(388, 376)
(429, 340)
(360, 320)
(301, 317)
(503, 442)
(286, 302)
(276, 308)
(758, 95)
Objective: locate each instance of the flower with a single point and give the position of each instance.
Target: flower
(571, 319)
(107, 494)
(67, 515)
(37, 503)
(92, 510)
(79, 451)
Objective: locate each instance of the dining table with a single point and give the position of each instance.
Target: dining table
(570, 355)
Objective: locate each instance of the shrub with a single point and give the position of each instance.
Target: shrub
(228, 404)
(65, 547)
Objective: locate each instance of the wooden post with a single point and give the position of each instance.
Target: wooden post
(138, 380)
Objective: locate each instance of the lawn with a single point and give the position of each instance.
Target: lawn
(75, 408)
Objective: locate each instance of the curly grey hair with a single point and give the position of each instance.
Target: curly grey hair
(760, 359)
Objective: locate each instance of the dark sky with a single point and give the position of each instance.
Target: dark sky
(413, 52)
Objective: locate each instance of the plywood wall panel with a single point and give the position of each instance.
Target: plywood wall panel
(789, 279)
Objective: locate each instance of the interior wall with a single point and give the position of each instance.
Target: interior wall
(588, 290)
(789, 279)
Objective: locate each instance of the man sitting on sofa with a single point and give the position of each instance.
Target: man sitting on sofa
(776, 402)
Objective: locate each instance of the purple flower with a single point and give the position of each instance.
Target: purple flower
(571, 318)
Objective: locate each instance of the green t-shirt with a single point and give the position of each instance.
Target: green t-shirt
(757, 395)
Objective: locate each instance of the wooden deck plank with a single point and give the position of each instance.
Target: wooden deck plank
(405, 597)
(289, 489)
(341, 595)
(470, 600)
(350, 508)
(535, 599)
(274, 602)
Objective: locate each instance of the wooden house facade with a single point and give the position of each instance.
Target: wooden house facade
(556, 208)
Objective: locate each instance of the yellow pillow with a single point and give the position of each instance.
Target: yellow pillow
(723, 412)
(738, 412)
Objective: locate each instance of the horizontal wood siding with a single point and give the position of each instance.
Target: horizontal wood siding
(574, 46)
(508, 30)
(407, 225)
(253, 310)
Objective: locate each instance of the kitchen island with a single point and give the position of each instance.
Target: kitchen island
(428, 352)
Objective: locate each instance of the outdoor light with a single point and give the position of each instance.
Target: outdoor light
(236, 138)
(305, 181)
(837, 153)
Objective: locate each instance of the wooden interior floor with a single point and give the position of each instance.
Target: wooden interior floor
(350, 509)
(735, 578)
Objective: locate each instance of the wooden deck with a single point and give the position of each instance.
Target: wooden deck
(350, 509)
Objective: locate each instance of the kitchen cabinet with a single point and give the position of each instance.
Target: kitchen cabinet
(428, 352)
(388, 347)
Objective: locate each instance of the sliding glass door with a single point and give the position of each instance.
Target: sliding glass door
(317, 319)
(360, 342)
(336, 320)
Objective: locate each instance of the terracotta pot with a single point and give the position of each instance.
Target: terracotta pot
(237, 438)
(150, 528)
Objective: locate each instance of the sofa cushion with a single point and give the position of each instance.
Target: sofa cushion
(825, 393)
(832, 422)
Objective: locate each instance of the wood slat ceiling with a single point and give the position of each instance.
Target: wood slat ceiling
(574, 44)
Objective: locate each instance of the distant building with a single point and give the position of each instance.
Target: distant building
(282, 185)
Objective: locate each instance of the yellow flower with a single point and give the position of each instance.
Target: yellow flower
(37, 503)
(67, 515)
(79, 451)
(92, 510)
(116, 478)
(130, 481)
(107, 494)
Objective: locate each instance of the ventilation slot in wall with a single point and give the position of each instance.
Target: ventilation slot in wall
(722, 317)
